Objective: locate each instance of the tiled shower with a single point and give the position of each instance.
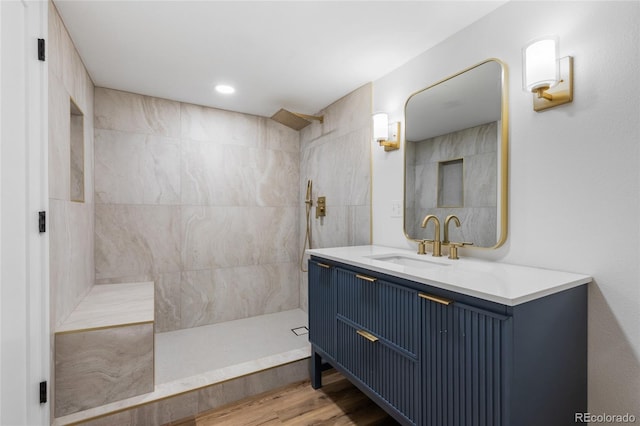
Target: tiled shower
(206, 203)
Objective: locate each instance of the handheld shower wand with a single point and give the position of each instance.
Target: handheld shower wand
(307, 235)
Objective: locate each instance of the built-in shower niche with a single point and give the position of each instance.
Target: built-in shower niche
(451, 183)
(77, 153)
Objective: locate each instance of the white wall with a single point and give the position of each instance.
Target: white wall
(574, 186)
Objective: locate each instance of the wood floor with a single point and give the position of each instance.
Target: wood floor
(338, 402)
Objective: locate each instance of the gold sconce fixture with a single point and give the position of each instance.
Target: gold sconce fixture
(549, 78)
(381, 132)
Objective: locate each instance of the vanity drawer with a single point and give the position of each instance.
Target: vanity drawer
(386, 309)
(383, 369)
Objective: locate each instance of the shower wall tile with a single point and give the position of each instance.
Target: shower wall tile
(168, 308)
(116, 110)
(134, 168)
(349, 113)
(219, 126)
(59, 140)
(71, 224)
(336, 155)
(204, 177)
(216, 237)
(212, 296)
(203, 205)
(136, 239)
(274, 135)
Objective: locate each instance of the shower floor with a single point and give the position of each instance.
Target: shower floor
(197, 357)
(256, 341)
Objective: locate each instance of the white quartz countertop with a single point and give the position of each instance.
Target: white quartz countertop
(110, 305)
(494, 281)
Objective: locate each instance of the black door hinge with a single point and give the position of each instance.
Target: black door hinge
(42, 222)
(41, 49)
(43, 392)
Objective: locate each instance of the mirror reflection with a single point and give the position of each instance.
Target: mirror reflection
(456, 156)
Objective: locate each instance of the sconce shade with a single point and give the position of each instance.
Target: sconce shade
(540, 64)
(380, 126)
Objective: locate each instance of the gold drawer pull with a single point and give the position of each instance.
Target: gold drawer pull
(370, 337)
(366, 278)
(323, 265)
(436, 299)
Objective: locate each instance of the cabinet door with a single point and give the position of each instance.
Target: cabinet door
(462, 364)
(385, 370)
(322, 306)
(386, 309)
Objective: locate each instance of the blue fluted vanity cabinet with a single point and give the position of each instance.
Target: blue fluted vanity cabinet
(323, 312)
(434, 357)
(378, 338)
(462, 363)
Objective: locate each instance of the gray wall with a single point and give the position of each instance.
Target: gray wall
(202, 201)
(336, 155)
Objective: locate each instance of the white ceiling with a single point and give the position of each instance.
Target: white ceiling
(298, 55)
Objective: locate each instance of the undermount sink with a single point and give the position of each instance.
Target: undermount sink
(404, 260)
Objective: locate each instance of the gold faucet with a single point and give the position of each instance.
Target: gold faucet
(437, 244)
(453, 217)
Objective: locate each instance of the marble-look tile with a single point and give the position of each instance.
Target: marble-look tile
(136, 239)
(481, 180)
(124, 111)
(242, 236)
(54, 50)
(101, 366)
(274, 135)
(59, 136)
(111, 305)
(71, 238)
(213, 296)
(201, 123)
(215, 396)
(134, 168)
(340, 169)
(227, 175)
(168, 301)
(223, 358)
(350, 113)
(122, 418)
(167, 410)
(77, 141)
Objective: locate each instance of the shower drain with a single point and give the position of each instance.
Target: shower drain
(299, 331)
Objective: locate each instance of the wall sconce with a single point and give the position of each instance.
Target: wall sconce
(549, 78)
(381, 132)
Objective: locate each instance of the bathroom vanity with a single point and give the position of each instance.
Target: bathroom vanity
(451, 342)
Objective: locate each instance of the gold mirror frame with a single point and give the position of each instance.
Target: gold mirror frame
(503, 131)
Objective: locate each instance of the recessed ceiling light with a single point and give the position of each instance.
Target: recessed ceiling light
(226, 89)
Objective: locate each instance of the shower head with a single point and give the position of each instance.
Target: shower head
(295, 120)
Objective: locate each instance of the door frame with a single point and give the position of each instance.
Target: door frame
(24, 251)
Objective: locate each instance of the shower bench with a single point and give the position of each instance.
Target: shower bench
(104, 349)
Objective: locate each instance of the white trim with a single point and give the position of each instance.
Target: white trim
(24, 284)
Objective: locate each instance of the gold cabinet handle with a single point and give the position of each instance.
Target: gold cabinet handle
(323, 265)
(436, 299)
(366, 278)
(370, 337)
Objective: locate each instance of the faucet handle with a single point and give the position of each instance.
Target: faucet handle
(453, 249)
(422, 246)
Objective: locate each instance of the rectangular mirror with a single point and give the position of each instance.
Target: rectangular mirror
(456, 142)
